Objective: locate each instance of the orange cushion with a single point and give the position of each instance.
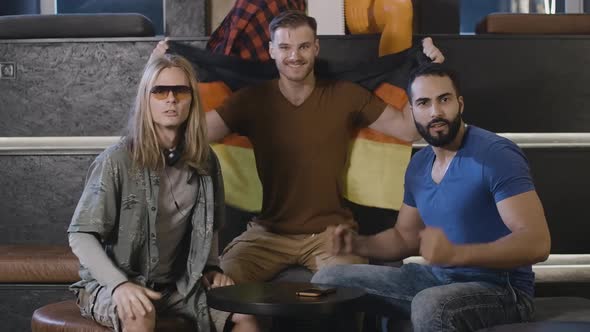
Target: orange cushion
(213, 94)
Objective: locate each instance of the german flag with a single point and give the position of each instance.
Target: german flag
(376, 165)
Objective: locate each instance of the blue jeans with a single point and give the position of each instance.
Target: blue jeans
(432, 301)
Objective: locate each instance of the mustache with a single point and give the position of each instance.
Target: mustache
(438, 121)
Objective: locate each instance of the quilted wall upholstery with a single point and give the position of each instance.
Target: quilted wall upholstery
(71, 88)
(186, 18)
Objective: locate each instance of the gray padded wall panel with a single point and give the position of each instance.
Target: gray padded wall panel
(510, 83)
(70, 88)
(38, 197)
(523, 84)
(18, 302)
(185, 18)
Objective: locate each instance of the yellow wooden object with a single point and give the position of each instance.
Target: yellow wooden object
(357, 15)
(391, 18)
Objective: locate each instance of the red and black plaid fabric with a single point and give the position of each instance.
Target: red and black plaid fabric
(244, 31)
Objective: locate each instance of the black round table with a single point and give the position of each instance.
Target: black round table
(547, 326)
(290, 311)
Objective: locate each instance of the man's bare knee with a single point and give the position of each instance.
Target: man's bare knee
(145, 323)
(245, 323)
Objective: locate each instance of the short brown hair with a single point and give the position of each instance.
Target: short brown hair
(292, 19)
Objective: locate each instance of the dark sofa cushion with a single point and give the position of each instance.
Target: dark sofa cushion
(548, 311)
(571, 309)
(75, 26)
(293, 273)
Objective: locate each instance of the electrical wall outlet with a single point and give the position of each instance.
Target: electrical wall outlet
(7, 70)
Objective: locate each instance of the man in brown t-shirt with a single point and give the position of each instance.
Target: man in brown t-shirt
(300, 129)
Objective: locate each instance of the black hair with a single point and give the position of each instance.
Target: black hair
(433, 69)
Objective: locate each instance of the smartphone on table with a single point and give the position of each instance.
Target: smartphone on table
(316, 291)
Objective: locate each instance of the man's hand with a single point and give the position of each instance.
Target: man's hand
(133, 300)
(432, 51)
(214, 279)
(342, 240)
(161, 48)
(435, 247)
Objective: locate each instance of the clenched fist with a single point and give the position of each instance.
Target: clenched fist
(435, 247)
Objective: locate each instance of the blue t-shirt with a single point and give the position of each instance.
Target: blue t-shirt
(486, 170)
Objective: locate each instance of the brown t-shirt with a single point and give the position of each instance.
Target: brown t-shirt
(301, 151)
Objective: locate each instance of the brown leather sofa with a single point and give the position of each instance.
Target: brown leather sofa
(535, 24)
(86, 26)
(38, 264)
(65, 317)
(43, 265)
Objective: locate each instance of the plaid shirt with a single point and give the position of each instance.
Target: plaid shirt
(244, 31)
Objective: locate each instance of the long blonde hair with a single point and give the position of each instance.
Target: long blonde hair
(141, 134)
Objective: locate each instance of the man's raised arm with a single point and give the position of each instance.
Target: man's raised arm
(400, 124)
(397, 124)
(216, 127)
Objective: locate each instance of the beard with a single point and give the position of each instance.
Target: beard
(440, 139)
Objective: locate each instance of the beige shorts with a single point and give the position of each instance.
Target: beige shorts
(258, 255)
(99, 307)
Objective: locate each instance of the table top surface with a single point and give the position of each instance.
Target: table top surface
(544, 326)
(280, 299)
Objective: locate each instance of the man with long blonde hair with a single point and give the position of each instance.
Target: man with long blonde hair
(145, 229)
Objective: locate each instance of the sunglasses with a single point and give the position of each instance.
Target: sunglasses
(180, 92)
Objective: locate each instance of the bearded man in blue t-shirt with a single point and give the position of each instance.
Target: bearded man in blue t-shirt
(470, 210)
